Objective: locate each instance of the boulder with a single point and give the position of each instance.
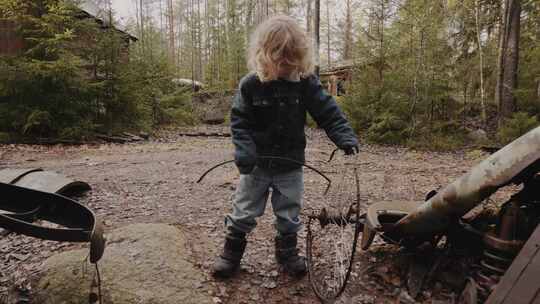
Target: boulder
(213, 108)
(478, 135)
(143, 263)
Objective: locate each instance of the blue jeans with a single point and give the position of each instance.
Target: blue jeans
(252, 193)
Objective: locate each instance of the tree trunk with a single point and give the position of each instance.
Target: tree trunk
(481, 58)
(172, 53)
(179, 38)
(328, 31)
(382, 60)
(161, 30)
(538, 89)
(249, 19)
(348, 32)
(207, 40)
(149, 45)
(317, 35)
(308, 16)
(510, 64)
(192, 44)
(140, 23)
(199, 43)
(501, 51)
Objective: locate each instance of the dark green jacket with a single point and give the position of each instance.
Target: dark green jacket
(268, 119)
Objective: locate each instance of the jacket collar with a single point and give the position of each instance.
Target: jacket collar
(293, 77)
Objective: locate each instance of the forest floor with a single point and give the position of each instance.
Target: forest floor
(155, 182)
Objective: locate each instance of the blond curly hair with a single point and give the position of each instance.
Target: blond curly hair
(279, 42)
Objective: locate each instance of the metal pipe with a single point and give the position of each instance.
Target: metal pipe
(512, 164)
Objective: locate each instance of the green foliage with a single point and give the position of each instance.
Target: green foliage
(75, 78)
(440, 136)
(438, 142)
(407, 88)
(519, 124)
(42, 97)
(388, 128)
(178, 108)
(37, 122)
(379, 112)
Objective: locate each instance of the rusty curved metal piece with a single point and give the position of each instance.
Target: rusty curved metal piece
(38, 179)
(382, 217)
(12, 176)
(274, 158)
(514, 163)
(20, 206)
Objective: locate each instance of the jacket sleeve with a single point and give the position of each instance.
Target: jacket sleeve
(325, 111)
(242, 122)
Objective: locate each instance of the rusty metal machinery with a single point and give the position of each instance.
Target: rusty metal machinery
(20, 207)
(515, 163)
(503, 240)
(411, 224)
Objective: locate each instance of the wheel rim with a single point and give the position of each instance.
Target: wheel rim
(331, 247)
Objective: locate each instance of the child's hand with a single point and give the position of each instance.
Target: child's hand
(351, 149)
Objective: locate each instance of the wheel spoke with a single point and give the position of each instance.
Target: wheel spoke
(332, 237)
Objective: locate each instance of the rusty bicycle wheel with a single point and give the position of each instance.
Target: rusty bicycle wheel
(332, 236)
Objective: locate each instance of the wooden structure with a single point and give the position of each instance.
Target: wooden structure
(89, 10)
(521, 282)
(338, 76)
(12, 43)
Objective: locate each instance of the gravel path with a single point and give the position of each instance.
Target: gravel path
(154, 181)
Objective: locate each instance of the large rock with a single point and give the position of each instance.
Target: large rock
(213, 108)
(143, 263)
(478, 135)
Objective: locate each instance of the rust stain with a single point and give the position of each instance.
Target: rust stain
(450, 195)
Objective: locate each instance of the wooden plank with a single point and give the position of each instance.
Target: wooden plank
(536, 299)
(522, 265)
(526, 288)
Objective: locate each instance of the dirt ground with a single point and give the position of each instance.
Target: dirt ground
(154, 181)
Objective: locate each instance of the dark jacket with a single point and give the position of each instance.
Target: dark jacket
(268, 119)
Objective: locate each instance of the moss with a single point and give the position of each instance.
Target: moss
(4, 137)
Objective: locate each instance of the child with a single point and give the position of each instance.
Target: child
(267, 119)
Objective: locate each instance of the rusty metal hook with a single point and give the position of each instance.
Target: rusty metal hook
(332, 155)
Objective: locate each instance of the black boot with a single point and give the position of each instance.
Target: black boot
(228, 262)
(287, 255)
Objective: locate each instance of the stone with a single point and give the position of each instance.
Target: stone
(478, 135)
(143, 263)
